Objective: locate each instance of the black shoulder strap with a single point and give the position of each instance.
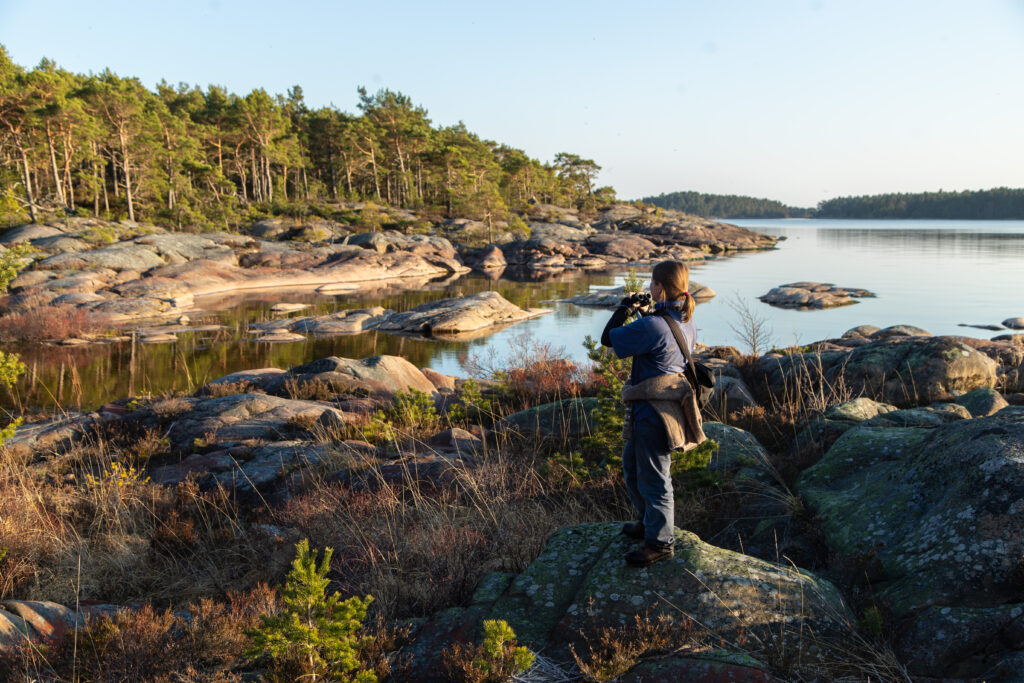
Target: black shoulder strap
(691, 374)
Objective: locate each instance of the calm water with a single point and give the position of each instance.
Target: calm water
(933, 274)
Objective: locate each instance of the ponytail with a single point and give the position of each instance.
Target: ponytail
(689, 306)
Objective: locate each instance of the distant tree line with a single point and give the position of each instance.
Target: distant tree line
(725, 205)
(1001, 202)
(107, 146)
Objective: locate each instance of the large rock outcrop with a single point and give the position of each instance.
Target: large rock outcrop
(901, 370)
(935, 512)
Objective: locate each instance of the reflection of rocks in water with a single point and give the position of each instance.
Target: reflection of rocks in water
(525, 274)
(994, 328)
(352, 321)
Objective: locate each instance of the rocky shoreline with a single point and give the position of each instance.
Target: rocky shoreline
(125, 272)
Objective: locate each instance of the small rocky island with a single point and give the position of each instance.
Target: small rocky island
(813, 295)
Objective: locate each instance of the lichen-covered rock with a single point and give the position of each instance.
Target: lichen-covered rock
(940, 509)
(231, 420)
(580, 584)
(900, 331)
(820, 433)
(376, 376)
(559, 420)
(934, 415)
(730, 394)
(714, 667)
(944, 641)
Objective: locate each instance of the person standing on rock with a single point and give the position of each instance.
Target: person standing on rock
(661, 411)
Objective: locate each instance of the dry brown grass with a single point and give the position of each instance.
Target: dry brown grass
(52, 322)
(416, 553)
(171, 406)
(314, 390)
(89, 525)
(200, 644)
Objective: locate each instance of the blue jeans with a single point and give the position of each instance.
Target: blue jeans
(646, 466)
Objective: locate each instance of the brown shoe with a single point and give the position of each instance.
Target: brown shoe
(633, 530)
(645, 555)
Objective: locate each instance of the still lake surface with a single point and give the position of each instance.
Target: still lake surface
(929, 273)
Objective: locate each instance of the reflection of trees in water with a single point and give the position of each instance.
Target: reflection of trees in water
(949, 242)
(85, 377)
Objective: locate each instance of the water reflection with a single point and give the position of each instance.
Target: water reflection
(84, 377)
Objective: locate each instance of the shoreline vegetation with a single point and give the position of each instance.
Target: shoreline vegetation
(1000, 203)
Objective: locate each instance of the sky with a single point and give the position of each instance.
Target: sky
(794, 100)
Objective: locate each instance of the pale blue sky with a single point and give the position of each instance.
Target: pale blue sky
(794, 100)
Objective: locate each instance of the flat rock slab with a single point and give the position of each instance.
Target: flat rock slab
(610, 298)
(813, 295)
(277, 337)
(460, 315)
(288, 308)
(379, 376)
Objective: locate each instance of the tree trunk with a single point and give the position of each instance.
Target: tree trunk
(373, 164)
(126, 167)
(103, 184)
(57, 184)
(27, 181)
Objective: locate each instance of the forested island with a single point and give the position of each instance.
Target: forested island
(997, 203)
(104, 145)
(726, 205)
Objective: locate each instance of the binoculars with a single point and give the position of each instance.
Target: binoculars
(637, 300)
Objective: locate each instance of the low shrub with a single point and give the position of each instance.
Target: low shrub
(52, 322)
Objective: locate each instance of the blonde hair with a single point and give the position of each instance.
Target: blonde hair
(674, 278)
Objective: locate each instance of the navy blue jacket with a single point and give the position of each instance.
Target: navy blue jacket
(653, 348)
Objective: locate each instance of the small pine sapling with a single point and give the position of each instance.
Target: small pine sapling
(315, 629)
